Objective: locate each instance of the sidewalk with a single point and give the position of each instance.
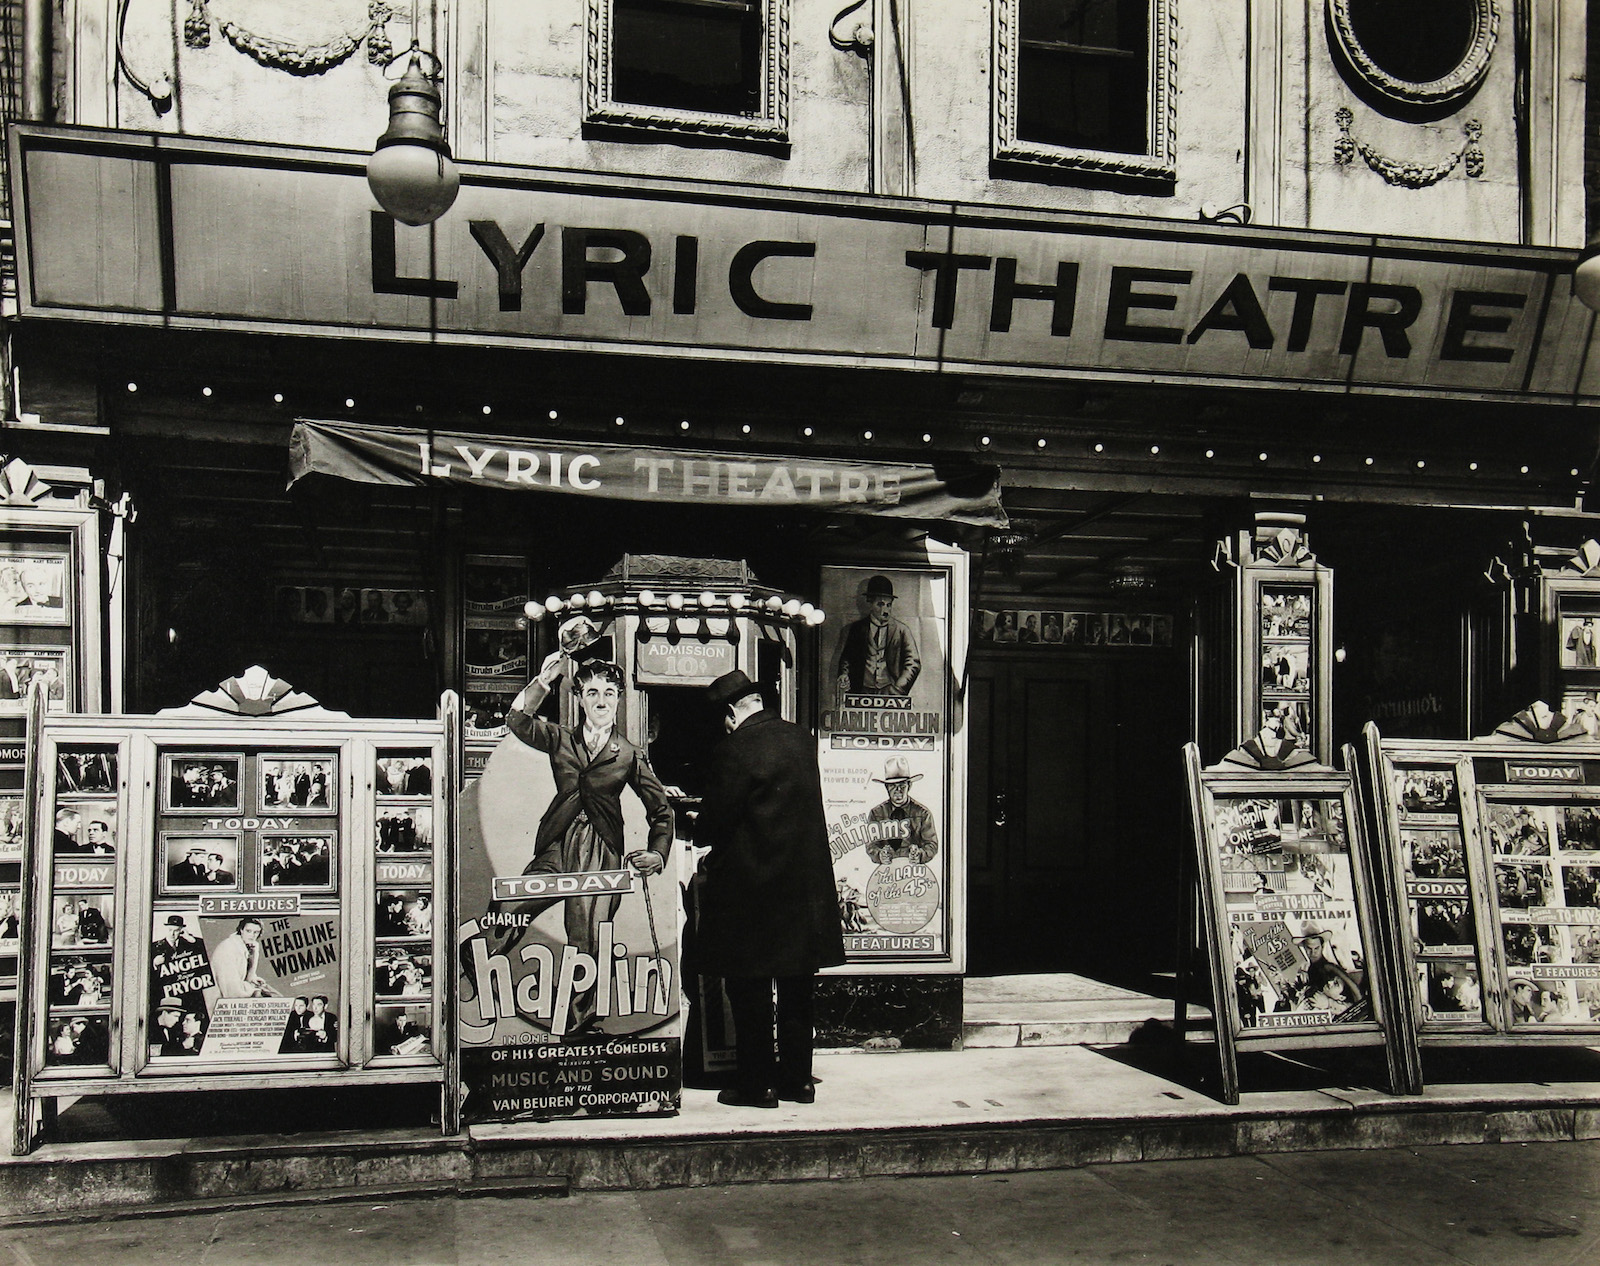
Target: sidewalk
(967, 1112)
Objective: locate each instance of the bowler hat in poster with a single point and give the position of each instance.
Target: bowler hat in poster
(176, 921)
(897, 769)
(880, 587)
(730, 688)
(578, 632)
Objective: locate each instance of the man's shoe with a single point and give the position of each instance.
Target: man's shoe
(805, 1092)
(749, 1099)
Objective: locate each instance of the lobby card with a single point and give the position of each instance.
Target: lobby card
(1519, 830)
(1450, 991)
(1294, 936)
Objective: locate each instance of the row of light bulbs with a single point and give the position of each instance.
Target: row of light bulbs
(770, 605)
(984, 441)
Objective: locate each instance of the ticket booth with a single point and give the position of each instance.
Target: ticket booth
(561, 1018)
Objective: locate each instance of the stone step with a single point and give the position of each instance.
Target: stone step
(1099, 1023)
(1045, 987)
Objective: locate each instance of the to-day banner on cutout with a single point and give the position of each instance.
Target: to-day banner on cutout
(969, 492)
(548, 1027)
(883, 749)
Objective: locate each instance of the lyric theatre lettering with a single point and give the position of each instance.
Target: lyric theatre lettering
(1270, 310)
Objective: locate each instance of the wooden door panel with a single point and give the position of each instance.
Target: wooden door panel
(1054, 799)
(1074, 778)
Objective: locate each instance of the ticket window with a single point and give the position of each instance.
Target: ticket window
(681, 727)
(682, 730)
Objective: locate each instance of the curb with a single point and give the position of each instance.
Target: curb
(222, 1176)
(496, 1188)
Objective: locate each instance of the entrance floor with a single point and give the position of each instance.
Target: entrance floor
(1058, 1009)
(956, 1112)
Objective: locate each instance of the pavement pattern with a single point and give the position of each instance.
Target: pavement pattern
(1489, 1204)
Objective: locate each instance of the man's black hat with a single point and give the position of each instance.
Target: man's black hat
(730, 688)
(880, 587)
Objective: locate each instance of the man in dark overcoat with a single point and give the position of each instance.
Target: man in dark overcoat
(769, 913)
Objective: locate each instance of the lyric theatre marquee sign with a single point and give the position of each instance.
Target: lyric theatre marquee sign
(129, 227)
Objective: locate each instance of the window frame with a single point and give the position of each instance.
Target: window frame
(770, 124)
(1158, 162)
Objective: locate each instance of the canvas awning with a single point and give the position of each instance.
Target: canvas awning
(969, 493)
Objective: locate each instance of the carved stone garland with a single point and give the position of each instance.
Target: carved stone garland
(294, 59)
(1407, 174)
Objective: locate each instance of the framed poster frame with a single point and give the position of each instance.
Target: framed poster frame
(1570, 658)
(1309, 783)
(135, 1058)
(1268, 635)
(51, 520)
(1498, 781)
(938, 574)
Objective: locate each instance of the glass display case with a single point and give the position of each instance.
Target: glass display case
(234, 893)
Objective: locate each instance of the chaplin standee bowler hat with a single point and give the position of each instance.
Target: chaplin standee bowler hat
(730, 688)
(880, 587)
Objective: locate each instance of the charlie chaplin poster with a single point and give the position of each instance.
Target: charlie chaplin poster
(883, 750)
(568, 949)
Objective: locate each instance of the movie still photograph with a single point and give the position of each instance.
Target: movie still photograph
(300, 861)
(86, 769)
(1427, 790)
(200, 783)
(403, 971)
(85, 828)
(403, 912)
(79, 980)
(405, 829)
(200, 862)
(78, 1039)
(81, 919)
(1517, 830)
(1432, 853)
(402, 1030)
(304, 784)
(1451, 991)
(405, 774)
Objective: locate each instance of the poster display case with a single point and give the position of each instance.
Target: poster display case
(234, 894)
(893, 757)
(51, 629)
(1289, 915)
(1493, 850)
(1569, 659)
(1283, 609)
(495, 649)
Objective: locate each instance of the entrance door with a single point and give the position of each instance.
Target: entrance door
(1075, 817)
(1038, 799)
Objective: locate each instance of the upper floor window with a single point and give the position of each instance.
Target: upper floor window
(708, 67)
(1085, 84)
